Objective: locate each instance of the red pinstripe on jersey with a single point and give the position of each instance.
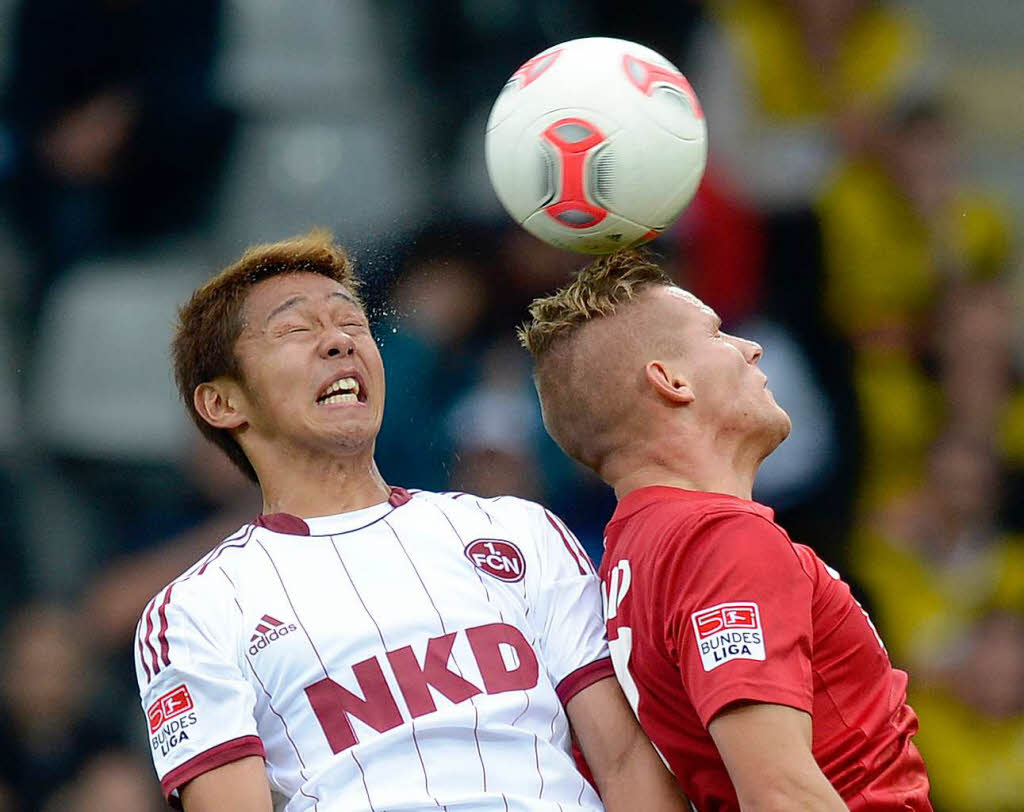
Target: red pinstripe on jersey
(298, 620)
(572, 683)
(444, 630)
(362, 774)
(222, 547)
(146, 641)
(287, 732)
(575, 549)
(294, 739)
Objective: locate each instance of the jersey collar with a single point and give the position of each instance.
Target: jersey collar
(641, 498)
(289, 525)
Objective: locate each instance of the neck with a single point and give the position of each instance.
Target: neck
(686, 460)
(307, 485)
(733, 483)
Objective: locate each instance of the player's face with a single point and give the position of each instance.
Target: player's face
(313, 373)
(731, 394)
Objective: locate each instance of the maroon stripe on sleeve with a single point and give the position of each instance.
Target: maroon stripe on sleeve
(142, 656)
(165, 654)
(211, 759)
(149, 631)
(583, 678)
(565, 541)
(144, 636)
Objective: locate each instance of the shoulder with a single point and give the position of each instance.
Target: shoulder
(199, 608)
(727, 533)
(207, 583)
(748, 544)
(511, 518)
(739, 527)
(505, 508)
(668, 519)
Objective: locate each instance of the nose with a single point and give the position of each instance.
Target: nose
(751, 350)
(334, 342)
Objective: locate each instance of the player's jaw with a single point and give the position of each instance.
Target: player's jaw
(766, 419)
(776, 420)
(740, 401)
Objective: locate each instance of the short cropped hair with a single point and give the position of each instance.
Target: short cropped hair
(210, 323)
(598, 291)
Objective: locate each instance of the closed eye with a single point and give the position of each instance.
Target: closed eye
(288, 330)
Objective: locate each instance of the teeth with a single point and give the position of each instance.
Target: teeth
(344, 385)
(348, 397)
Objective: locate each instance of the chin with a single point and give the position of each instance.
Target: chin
(776, 429)
(355, 439)
(348, 438)
(785, 424)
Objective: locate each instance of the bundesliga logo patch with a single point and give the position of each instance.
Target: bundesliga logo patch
(170, 716)
(174, 703)
(728, 631)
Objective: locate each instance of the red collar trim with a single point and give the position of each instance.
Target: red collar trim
(399, 496)
(283, 523)
(291, 525)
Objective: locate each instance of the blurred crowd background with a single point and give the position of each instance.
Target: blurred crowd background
(860, 217)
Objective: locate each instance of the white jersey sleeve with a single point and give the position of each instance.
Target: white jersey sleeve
(199, 707)
(567, 602)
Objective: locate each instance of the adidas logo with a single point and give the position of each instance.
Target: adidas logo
(268, 630)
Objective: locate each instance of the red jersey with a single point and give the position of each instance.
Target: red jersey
(709, 602)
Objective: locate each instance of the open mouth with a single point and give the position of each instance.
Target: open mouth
(343, 390)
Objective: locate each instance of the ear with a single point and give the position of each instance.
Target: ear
(221, 403)
(668, 384)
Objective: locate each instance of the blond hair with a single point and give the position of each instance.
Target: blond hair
(598, 290)
(563, 370)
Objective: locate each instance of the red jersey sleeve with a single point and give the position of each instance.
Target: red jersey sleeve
(738, 615)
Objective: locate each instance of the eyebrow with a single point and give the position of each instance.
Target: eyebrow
(718, 322)
(295, 300)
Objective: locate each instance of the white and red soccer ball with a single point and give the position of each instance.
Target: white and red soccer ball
(596, 144)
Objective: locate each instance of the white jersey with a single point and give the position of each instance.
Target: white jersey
(417, 654)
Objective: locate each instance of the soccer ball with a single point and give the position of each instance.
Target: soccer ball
(596, 144)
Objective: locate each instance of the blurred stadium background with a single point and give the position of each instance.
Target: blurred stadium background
(861, 217)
